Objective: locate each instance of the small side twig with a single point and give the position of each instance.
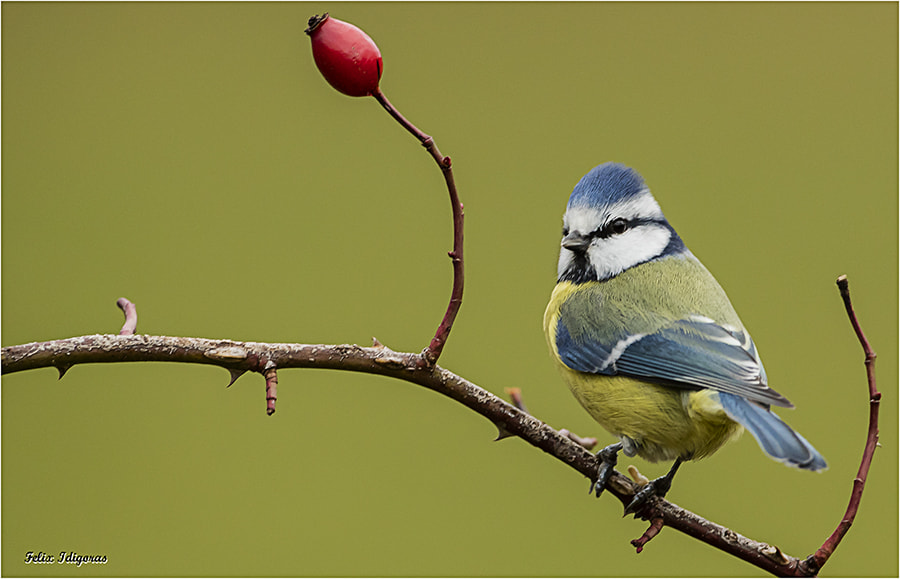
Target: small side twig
(515, 396)
(587, 442)
(656, 526)
(271, 375)
(434, 349)
(815, 561)
(130, 311)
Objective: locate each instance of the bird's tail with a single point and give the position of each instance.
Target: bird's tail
(775, 437)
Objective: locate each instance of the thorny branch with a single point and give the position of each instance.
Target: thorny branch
(239, 357)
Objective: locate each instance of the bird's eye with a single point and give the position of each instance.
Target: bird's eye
(618, 226)
(565, 231)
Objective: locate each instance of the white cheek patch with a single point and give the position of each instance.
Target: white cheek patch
(612, 255)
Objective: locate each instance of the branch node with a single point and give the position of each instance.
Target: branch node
(775, 554)
(427, 357)
(130, 311)
(392, 362)
(227, 353)
(809, 566)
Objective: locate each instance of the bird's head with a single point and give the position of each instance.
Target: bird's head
(612, 223)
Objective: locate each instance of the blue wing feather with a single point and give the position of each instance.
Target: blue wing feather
(694, 353)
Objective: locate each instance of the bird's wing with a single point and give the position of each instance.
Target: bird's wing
(689, 353)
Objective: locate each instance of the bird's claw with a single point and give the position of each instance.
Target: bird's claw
(655, 488)
(608, 459)
(606, 470)
(639, 501)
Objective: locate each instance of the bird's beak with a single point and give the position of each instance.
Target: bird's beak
(576, 242)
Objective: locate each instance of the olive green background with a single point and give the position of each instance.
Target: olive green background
(191, 158)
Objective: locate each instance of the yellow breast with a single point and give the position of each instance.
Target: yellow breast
(665, 422)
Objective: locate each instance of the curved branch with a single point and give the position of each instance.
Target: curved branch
(238, 357)
(815, 561)
(434, 349)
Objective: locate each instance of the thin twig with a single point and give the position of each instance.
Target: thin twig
(130, 311)
(656, 526)
(271, 375)
(588, 442)
(816, 561)
(515, 395)
(434, 349)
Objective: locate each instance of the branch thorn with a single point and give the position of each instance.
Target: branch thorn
(62, 369)
(235, 374)
(502, 432)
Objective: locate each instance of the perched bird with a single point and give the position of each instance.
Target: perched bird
(648, 342)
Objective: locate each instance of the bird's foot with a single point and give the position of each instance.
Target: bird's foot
(655, 488)
(609, 457)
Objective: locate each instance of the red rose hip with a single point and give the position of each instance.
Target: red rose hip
(345, 55)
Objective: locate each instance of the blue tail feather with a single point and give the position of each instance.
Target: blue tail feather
(775, 437)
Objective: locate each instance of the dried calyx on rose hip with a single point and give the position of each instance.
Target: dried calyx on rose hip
(345, 55)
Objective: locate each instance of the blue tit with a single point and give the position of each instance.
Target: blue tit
(648, 342)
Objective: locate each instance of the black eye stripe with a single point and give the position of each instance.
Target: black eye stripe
(614, 227)
(618, 226)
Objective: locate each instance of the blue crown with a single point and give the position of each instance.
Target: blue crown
(605, 184)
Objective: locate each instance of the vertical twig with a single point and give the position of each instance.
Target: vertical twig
(434, 349)
(130, 311)
(814, 562)
(271, 375)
